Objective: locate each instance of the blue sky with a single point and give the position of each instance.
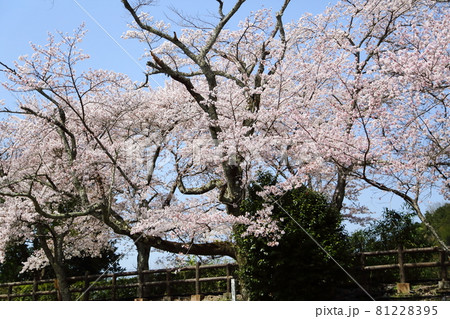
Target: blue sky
(22, 21)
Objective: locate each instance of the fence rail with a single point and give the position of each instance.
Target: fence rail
(194, 276)
(443, 262)
(110, 282)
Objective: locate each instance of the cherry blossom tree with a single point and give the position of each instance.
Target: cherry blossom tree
(355, 97)
(352, 98)
(84, 154)
(224, 73)
(51, 176)
(379, 109)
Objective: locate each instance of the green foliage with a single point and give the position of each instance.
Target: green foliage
(108, 261)
(122, 293)
(187, 289)
(14, 256)
(28, 290)
(17, 254)
(440, 220)
(296, 269)
(393, 229)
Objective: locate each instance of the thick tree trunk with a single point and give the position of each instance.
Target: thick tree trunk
(56, 259)
(143, 257)
(241, 260)
(339, 192)
(62, 284)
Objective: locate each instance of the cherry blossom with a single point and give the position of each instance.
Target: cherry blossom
(355, 97)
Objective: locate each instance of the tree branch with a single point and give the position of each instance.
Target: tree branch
(199, 190)
(173, 39)
(207, 249)
(215, 34)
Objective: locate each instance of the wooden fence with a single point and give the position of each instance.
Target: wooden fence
(166, 282)
(442, 263)
(82, 287)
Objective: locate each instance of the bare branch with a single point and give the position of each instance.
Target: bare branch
(221, 8)
(215, 34)
(173, 39)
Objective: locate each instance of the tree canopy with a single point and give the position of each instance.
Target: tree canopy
(352, 98)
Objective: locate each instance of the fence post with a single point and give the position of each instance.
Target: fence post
(168, 283)
(114, 296)
(443, 261)
(444, 283)
(35, 286)
(86, 286)
(197, 278)
(403, 287)
(197, 296)
(10, 290)
(233, 289)
(228, 279)
(401, 264)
